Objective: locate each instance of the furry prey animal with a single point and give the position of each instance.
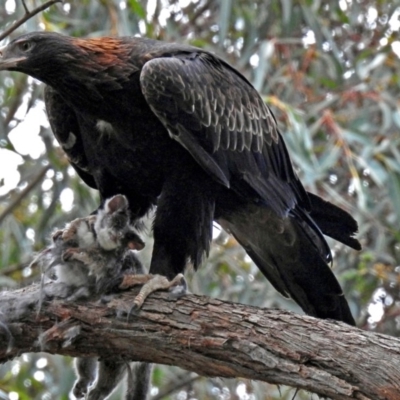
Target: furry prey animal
(88, 255)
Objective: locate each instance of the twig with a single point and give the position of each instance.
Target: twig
(24, 192)
(28, 15)
(25, 7)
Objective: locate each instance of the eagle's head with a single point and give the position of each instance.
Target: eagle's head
(60, 60)
(36, 54)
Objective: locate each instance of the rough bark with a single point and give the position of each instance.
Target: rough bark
(210, 337)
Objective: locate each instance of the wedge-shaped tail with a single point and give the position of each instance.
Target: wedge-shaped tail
(292, 255)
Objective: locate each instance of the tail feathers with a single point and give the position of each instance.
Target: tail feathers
(291, 261)
(334, 222)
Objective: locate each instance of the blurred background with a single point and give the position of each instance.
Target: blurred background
(329, 70)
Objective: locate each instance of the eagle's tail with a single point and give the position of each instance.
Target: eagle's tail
(334, 222)
(293, 256)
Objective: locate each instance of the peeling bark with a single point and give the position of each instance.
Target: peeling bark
(210, 337)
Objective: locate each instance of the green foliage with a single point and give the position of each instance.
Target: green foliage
(330, 72)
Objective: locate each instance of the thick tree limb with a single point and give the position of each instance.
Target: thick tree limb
(212, 338)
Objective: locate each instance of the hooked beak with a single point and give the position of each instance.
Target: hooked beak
(8, 63)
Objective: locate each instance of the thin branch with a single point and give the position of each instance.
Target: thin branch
(209, 337)
(36, 180)
(28, 15)
(25, 6)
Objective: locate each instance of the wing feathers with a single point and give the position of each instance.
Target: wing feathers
(211, 109)
(66, 129)
(215, 96)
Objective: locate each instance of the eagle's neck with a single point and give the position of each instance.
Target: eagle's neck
(90, 73)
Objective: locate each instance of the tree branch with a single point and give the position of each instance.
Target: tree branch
(210, 337)
(28, 15)
(21, 195)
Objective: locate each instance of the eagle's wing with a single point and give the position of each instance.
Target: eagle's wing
(217, 115)
(65, 126)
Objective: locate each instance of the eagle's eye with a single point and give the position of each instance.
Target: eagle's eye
(25, 45)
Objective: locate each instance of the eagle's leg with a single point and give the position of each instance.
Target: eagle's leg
(184, 221)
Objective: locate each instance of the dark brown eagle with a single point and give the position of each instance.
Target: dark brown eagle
(176, 127)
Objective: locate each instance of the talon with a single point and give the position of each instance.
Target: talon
(68, 234)
(66, 255)
(69, 254)
(178, 287)
(134, 310)
(139, 299)
(56, 235)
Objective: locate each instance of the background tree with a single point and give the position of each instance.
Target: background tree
(329, 71)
